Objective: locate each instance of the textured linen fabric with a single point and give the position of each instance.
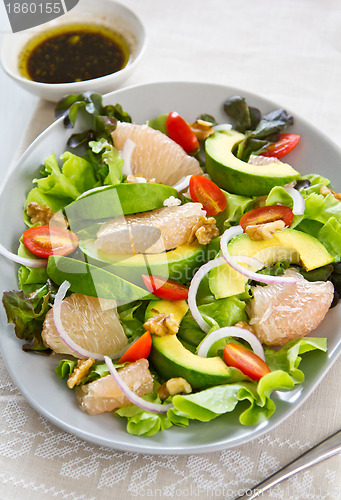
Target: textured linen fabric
(287, 51)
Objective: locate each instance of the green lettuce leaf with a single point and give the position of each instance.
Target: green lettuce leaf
(98, 370)
(146, 423)
(132, 318)
(65, 368)
(316, 181)
(61, 186)
(288, 357)
(159, 123)
(278, 195)
(236, 207)
(215, 401)
(210, 403)
(330, 236)
(322, 214)
(222, 312)
(111, 158)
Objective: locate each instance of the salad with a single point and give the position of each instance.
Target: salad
(176, 269)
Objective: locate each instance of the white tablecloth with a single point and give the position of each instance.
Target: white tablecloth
(291, 52)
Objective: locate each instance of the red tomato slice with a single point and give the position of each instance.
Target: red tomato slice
(138, 350)
(246, 361)
(181, 133)
(282, 147)
(263, 215)
(207, 193)
(44, 241)
(165, 289)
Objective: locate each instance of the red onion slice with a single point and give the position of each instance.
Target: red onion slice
(263, 278)
(126, 154)
(182, 184)
(231, 331)
(299, 204)
(134, 398)
(251, 261)
(24, 261)
(93, 190)
(84, 353)
(197, 278)
(193, 289)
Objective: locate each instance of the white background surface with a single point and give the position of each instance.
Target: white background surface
(289, 52)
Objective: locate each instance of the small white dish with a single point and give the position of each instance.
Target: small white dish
(107, 13)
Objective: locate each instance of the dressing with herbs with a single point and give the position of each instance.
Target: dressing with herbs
(73, 53)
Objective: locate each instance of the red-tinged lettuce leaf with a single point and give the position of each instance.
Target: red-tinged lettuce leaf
(27, 314)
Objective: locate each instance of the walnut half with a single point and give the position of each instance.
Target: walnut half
(204, 231)
(177, 385)
(45, 216)
(245, 326)
(266, 231)
(80, 371)
(326, 191)
(162, 324)
(202, 129)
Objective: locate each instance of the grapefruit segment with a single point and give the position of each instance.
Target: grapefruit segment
(92, 323)
(155, 156)
(280, 313)
(174, 223)
(103, 394)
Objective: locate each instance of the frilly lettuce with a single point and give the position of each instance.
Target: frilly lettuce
(61, 186)
(30, 278)
(215, 401)
(210, 403)
(288, 357)
(146, 423)
(322, 214)
(110, 158)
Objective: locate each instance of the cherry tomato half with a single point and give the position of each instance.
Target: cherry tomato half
(165, 289)
(263, 215)
(138, 350)
(246, 361)
(282, 147)
(181, 133)
(207, 193)
(44, 241)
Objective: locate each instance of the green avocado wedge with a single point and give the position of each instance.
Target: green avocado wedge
(171, 359)
(237, 176)
(94, 281)
(108, 202)
(289, 244)
(176, 307)
(179, 264)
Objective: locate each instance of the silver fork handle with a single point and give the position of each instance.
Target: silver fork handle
(327, 448)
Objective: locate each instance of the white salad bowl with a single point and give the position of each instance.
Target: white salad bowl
(35, 374)
(107, 13)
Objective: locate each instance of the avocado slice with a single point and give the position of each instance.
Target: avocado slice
(289, 244)
(237, 176)
(178, 264)
(94, 281)
(176, 307)
(108, 202)
(171, 359)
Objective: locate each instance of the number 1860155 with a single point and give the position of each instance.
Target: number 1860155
(32, 8)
